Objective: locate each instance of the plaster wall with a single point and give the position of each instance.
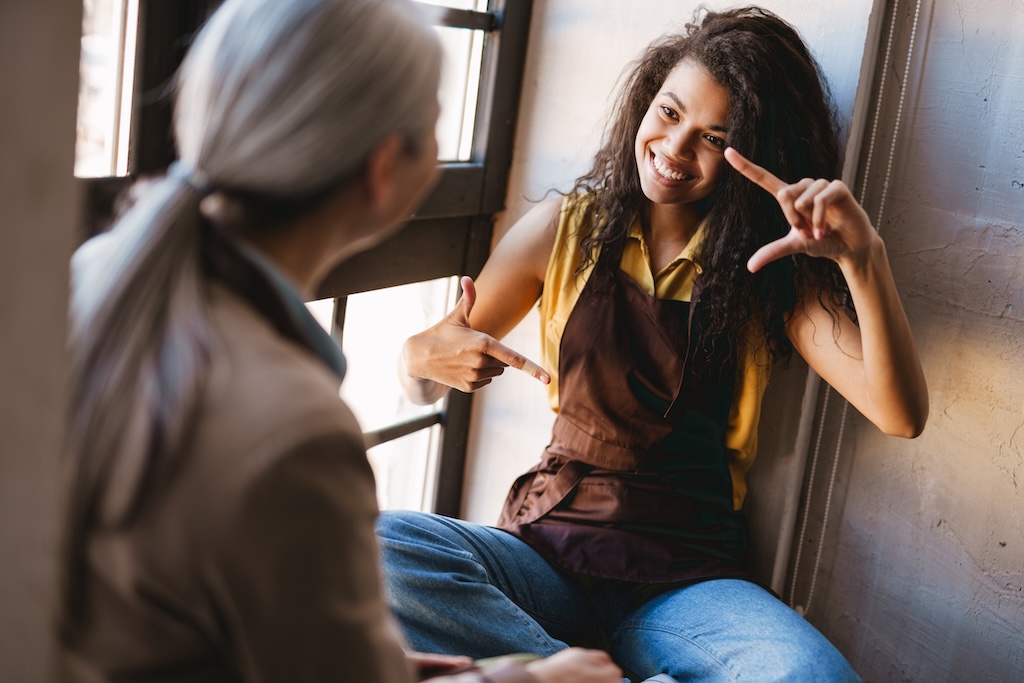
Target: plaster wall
(577, 51)
(39, 81)
(922, 576)
(914, 565)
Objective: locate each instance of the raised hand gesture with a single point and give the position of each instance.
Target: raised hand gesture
(874, 363)
(825, 218)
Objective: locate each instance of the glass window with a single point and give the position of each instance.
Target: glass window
(323, 311)
(405, 470)
(377, 323)
(460, 81)
(107, 71)
(475, 5)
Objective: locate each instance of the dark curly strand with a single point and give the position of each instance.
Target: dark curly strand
(780, 116)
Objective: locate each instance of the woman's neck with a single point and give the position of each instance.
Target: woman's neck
(667, 231)
(297, 263)
(308, 248)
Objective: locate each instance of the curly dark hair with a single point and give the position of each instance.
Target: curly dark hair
(781, 116)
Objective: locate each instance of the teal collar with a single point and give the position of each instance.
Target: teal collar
(316, 338)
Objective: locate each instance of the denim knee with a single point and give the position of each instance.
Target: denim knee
(824, 664)
(398, 524)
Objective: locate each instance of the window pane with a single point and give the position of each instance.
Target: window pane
(460, 82)
(405, 470)
(377, 323)
(323, 311)
(476, 5)
(105, 87)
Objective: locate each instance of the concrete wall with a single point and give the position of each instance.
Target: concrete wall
(918, 574)
(577, 51)
(39, 51)
(922, 570)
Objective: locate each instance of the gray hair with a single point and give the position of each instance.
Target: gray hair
(287, 98)
(278, 99)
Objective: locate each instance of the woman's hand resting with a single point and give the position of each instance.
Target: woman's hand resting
(576, 665)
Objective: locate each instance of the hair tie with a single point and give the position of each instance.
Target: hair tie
(190, 176)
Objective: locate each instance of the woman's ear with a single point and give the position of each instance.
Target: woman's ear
(382, 172)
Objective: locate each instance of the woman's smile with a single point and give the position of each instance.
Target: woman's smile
(667, 172)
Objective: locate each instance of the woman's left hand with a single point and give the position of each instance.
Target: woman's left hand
(824, 217)
(874, 362)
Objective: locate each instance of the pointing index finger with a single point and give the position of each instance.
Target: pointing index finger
(748, 169)
(519, 362)
(535, 371)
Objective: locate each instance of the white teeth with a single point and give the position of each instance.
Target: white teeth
(669, 173)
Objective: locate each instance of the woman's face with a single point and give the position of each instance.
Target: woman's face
(410, 172)
(418, 170)
(682, 137)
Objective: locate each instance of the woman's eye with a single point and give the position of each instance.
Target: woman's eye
(667, 111)
(714, 140)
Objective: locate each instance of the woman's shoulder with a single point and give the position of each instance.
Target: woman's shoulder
(265, 393)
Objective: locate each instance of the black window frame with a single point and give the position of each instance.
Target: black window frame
(448, 235)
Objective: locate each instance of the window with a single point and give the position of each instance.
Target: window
(417, 453)
(130, 50)
(405, 463)
(450, 235)
(106, 85)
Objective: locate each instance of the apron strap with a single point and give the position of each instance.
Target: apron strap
(518, 510)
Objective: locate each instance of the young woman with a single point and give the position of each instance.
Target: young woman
(220, 504)
(668, 281)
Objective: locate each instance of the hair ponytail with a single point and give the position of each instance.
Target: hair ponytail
(139, 342)
(277, 102)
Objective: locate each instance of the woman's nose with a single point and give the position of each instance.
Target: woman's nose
(681, 143)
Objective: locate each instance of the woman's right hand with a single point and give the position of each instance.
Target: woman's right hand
(453, 354)
(576, 665)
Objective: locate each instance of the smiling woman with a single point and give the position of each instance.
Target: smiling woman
(668, 280)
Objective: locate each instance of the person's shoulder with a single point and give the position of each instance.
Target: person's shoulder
(248, 353)
(544, 216)
(264, 393)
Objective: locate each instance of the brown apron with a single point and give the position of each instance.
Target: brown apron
(635, 484)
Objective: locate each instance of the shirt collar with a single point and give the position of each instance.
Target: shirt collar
(688, 253)
(311, 332)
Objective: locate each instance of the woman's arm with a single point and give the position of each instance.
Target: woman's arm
(874, 363)
(462, 350)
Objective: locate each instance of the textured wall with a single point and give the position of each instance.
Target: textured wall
(577, 50)
(920, 568)
(39, 51)
(922, 576)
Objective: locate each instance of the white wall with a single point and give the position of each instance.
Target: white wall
(922, 576)
(39, 52)
(576, 53)
(922, 566)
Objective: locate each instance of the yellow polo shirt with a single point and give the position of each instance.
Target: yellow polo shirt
(562, 288)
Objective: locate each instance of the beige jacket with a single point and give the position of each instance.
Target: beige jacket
(255, 559)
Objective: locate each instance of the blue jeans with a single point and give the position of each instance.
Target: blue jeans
(462, 588)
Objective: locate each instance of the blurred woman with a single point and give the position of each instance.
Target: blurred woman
(220, 505)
